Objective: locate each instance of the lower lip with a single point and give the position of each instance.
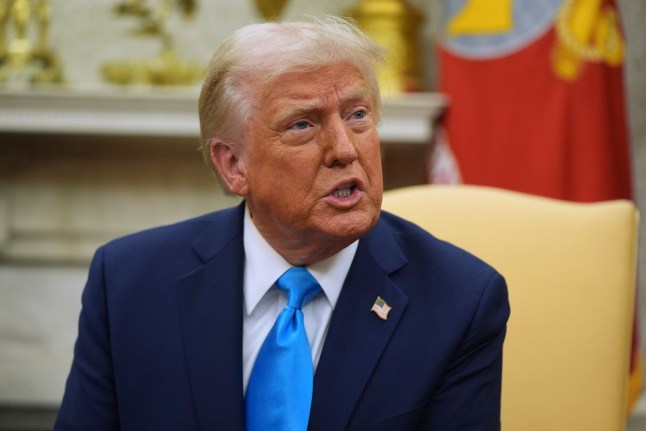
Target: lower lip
(348, 202)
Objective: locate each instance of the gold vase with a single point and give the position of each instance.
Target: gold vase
(25, 57)
(393, 24)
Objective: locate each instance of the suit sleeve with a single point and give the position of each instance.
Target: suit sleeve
(89, 402)
(469, 396)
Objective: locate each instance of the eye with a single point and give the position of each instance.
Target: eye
(300, 125)
(359, 115)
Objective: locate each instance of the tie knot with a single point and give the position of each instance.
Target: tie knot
(300, 285)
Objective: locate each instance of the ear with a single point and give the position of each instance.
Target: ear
(227, 160)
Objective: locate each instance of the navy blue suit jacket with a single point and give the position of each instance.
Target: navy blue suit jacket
(160, 335)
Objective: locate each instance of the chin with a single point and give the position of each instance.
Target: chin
(352, 227)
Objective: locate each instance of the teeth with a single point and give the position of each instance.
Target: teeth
(344, 192)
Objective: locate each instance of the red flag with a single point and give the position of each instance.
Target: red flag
(537, 100)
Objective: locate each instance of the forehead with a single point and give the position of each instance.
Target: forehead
(333, 83)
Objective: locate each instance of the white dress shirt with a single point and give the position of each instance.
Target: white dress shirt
(263, 301)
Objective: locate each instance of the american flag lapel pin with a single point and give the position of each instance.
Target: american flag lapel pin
(381, 308)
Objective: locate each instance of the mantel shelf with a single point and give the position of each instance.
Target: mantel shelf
(406, 118)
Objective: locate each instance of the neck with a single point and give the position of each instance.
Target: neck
(304, 252)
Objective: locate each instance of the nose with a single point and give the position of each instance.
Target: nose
(339, 142)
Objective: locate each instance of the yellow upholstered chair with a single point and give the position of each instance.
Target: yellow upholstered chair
(570, 269)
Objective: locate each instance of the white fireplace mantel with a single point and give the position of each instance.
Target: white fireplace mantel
(406, 118)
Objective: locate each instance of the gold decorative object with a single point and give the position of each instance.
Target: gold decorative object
(482, 17)
(270, 9)
(23, 61)
(166, 68)
(586, 31)
(394, 24)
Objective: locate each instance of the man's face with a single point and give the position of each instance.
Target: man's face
(312, 160)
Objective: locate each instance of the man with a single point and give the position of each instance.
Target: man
(406, 332)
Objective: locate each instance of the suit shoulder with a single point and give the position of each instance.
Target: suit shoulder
(440, 275)
(176, 233)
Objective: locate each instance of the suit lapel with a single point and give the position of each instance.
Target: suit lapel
(357, 337)
(210, 304)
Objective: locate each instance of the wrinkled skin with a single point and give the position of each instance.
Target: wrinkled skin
(309, 165)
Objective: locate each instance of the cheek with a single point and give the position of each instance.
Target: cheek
(289, 180)
(300, 167)
(372, 163)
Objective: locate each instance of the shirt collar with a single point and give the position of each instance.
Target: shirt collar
(263, 266)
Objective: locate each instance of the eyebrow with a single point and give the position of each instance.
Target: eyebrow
(298, 110)
(353, 95)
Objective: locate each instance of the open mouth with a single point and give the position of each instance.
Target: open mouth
(344, 191)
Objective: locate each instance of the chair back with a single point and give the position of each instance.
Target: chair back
(571, 274)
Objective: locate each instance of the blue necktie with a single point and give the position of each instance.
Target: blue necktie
(279, 394)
